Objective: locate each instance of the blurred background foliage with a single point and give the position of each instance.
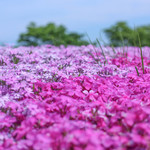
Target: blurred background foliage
(50, 34)
(119, 34)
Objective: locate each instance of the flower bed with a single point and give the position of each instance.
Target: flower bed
(55, 98)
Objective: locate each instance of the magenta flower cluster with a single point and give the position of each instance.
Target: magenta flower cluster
(74, 98)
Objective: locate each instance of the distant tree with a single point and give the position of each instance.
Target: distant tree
(121, 34)
(50, 34)
(144, 33)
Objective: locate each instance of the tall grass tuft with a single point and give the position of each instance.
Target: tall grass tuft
(96, 59)
(141, 52)
(140, 46)
(102, 51)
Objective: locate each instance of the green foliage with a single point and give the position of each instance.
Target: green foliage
(2, 82)
(2, 62)
(50, 34)
(137, 70)
(144, 34)
(15, 60)
(121, 34)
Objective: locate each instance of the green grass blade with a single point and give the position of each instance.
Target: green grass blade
(141, 52)
(122, 42)
(102, 50)
(97, 60)
(113, 49)
(137, 70)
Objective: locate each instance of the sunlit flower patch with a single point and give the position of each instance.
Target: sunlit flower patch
(57, 98)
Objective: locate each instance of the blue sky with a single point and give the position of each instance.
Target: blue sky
(90, 16)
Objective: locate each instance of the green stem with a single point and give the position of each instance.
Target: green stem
(137, 70)
(102, 50)
(141, 53)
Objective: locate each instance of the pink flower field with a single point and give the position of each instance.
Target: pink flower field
(74, 98)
